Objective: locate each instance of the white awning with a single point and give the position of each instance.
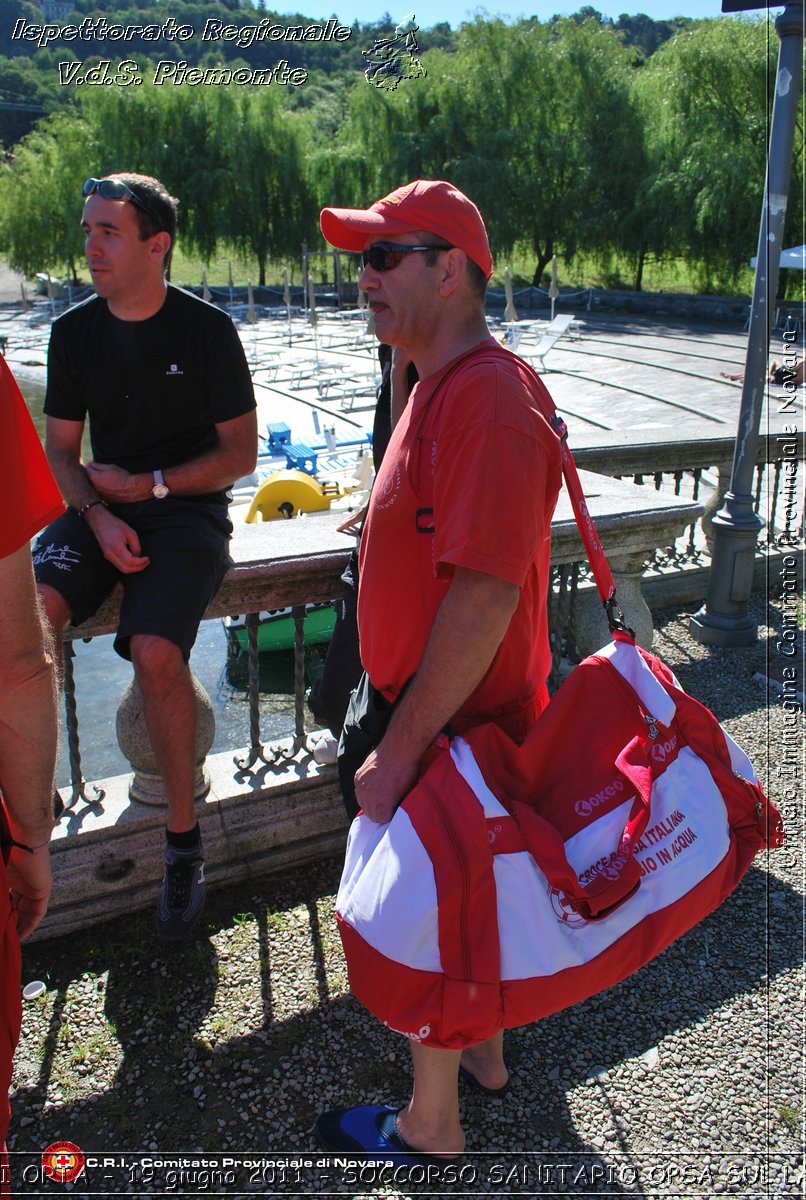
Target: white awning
(795, 257)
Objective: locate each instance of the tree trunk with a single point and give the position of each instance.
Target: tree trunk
(543, 260)
(639, 269)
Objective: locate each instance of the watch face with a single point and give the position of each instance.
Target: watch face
(159, 491)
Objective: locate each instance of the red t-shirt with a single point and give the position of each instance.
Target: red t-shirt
(29, 499)
(479, 452)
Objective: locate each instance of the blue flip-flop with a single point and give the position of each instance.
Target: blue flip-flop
(370, 1130)
(470, 1079)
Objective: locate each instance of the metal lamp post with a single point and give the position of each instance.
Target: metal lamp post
(724, 619)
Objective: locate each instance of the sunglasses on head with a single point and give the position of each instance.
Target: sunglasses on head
(385, 256)
(116, 189)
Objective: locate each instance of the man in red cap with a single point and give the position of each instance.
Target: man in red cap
(454, 565)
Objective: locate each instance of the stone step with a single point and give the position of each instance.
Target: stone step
(107, 850)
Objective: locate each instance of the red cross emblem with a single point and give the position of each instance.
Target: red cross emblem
(62, 1161)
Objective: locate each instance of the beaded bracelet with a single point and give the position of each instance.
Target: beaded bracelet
(86, 507)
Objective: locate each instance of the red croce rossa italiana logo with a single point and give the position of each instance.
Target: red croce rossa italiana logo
(62, 1161)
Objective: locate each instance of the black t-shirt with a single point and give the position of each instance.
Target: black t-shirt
(382, 423)
(153, 390)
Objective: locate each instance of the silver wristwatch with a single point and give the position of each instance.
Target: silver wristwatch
(160, 489)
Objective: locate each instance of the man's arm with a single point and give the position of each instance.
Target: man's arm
(28, 734)
(234, 455)
(118, 541)
(468, 629)
(63, 447)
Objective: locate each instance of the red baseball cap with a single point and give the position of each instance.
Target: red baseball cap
(430, 205)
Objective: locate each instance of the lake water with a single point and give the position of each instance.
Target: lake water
(101, 676)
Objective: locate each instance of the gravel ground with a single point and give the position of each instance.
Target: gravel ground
(684, 1081)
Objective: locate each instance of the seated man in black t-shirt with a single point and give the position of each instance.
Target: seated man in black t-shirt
(163, 381)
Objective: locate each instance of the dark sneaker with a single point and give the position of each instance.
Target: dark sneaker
(182, 893)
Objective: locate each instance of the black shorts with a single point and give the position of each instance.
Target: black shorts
(187, 542)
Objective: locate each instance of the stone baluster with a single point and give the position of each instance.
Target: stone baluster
(592, 631)
(146, 785)
(715, 501)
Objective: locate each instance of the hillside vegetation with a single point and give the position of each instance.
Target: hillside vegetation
(621, 147)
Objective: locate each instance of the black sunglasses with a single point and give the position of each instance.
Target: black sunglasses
(116, 189)
(385, 256)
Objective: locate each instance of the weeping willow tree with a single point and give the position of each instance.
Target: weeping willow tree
(535, 122)
(40, 197)
(705, 100)
(268, 210)
(569, 141)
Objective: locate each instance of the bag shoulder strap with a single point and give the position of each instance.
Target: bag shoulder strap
(424, 522)
(587, 528)
(585, 523)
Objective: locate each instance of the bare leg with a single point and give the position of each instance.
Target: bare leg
(485, 1062)
(431, 1120)
(57, 613)
(169, 704)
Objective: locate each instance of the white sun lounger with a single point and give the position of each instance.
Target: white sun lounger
(559, 327)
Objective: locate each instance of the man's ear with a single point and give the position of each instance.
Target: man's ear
(454, 269)
(160, 244)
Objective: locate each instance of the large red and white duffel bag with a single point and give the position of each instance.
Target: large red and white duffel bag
(516, 881)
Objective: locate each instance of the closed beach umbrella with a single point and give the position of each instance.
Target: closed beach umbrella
(251, 315)
(509, 310)
(205, 289)
(554, 291)
(287, 300)
(312, 315)
(363, 301)
(311, 302)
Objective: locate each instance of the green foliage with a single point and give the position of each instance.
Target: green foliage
(611, 142)
(647, 35)
(23, 99)
(706, 99)
(232, 158)
(534, 122)
(267, 207)
(40, 196)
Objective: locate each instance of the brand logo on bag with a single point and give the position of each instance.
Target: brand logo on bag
(613, 871)
(420, 1036)
(661, 751)
(584, 808)
(610, 868)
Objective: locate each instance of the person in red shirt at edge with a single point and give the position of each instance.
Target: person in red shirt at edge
(454, 566)
(28, 716)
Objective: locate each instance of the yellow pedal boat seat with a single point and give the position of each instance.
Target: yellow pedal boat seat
(284, 494)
